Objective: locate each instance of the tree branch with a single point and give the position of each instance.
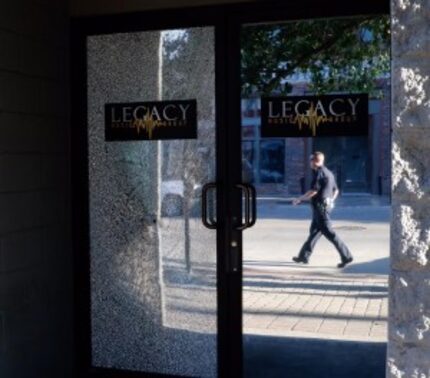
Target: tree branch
(326, 45)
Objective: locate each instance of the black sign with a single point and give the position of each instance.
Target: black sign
(151, 120)
(314, 116)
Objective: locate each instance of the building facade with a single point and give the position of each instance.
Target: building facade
(278, 166)
(36, 253)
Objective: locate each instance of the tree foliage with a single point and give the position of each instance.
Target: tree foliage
(345, 54)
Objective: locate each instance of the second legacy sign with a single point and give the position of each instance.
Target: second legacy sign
(314, 116)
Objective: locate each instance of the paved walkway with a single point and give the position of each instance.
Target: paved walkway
(318, 300)
(315, 305)
(281, 298)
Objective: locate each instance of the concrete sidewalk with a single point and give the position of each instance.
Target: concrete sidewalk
(280, 297)
(317, 300)
(280, 303)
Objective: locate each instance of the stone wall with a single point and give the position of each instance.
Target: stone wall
(409, 309)
(35, 253)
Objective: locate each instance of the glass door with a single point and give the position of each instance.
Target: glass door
(305, 317)
(153, 283)
(152, 261)
(171, 168)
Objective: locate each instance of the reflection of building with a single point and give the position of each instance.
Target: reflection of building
(361, 164)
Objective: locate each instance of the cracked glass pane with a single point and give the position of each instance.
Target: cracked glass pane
(152, 262)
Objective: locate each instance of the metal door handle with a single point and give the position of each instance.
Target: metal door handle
(245, 190)
(205, 189)
(253, 198)
(250, 206)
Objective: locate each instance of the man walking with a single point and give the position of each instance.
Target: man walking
(322, 194)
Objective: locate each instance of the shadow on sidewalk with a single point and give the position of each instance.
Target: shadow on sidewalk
(285, 357)
(377, 266)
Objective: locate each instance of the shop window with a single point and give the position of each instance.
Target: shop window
(272, 161)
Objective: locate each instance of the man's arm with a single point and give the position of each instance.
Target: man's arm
(308, 195)
(335, 194)
(336, 189)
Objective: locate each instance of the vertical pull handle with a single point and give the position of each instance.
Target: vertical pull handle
(205, 189)
(246, 191)
(253, 198)
(250, 206)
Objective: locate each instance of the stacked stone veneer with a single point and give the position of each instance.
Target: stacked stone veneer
(409, 311)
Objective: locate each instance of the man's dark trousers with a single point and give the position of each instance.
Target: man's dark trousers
(321, 225)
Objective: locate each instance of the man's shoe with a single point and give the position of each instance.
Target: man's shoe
(344, 263)
(300, 260)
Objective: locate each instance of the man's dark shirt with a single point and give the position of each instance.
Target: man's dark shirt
(324, 183)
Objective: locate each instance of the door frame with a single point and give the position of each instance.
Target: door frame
(268, 12)
(227, 21)
(228, 352)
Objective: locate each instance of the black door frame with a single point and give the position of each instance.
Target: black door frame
(227, 20)
(228, 352)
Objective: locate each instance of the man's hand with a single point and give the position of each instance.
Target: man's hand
(335, 194)
(308, 195)
(296, 201)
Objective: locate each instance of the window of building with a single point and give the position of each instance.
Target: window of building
(272, 156)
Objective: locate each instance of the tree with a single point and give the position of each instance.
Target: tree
(345, 54)
(191, 161)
